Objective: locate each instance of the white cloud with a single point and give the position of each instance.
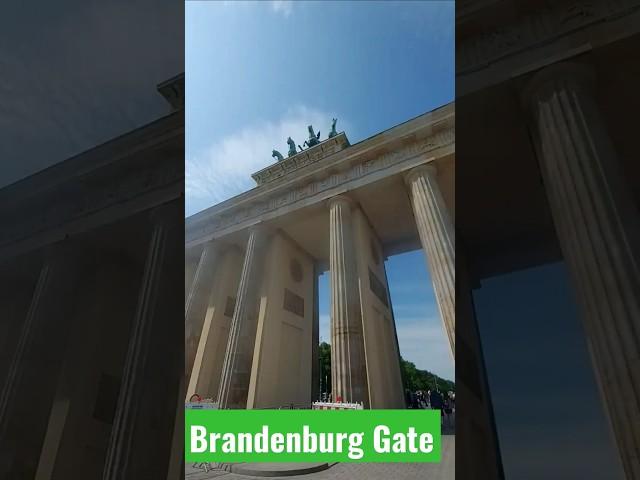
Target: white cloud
(224, 168)
(284, 7)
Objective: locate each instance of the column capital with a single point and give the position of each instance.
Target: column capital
(342, 199)
(260, 233)
(559, 76)
(259, 229)
(427, 169)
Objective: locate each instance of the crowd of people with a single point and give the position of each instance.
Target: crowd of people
(433, 399)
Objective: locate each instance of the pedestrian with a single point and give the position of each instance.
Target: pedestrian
(436, 402)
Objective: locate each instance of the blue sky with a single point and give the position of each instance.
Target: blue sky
(257, 72)
(544, 394)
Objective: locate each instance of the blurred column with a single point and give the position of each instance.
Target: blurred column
(599, 233)
(315, 339)
(438, 240)
(236, 370)
(30, 382)
(126, 452)
(191, 260)
(196, 303)
(475, 421)
(348, 366)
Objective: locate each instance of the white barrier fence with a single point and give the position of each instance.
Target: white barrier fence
(210, 405)
(202, 405)
(336, 406)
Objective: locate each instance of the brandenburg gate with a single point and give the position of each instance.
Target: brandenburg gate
(253, 261)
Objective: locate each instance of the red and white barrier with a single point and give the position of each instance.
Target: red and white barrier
(198, 403)
(336, 406)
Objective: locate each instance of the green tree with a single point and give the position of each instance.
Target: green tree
(324, 353)
(414, 379)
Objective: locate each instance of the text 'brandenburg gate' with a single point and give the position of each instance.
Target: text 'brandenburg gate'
(253, 261)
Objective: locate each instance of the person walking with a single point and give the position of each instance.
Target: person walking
(436, 402)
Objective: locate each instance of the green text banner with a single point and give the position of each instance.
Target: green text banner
(312, 436)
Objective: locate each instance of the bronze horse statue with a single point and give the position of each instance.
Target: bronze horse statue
(277, 154)
(292, 147)
(313, 138)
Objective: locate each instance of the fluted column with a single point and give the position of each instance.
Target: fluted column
(30, 382)
(236, 370)
(348, 364)
(197, 301)
(598, 231)
(29, 327)
(438, 241)
(315, 339)
(191, 260)
(119, 453)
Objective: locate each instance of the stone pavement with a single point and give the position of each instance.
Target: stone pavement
(445, 470)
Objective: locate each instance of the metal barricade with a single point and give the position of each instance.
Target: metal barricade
(336, 406)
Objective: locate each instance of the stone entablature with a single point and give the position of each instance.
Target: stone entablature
(302, 159)
(402, 144)
(119, 178)
(538, 31)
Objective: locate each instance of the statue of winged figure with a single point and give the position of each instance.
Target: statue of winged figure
(333, 132)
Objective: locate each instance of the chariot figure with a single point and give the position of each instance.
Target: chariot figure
(313, 138)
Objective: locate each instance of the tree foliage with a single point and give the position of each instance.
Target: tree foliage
(412, 378)
(415, 379)
(324, 352)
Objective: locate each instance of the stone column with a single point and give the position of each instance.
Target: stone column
(348, 364)
(437, 236)
(236, 370)
(191, 260)
(599, 234)
(175, 470)
(30, 383)
(196, 303)
(474, 418)
(28, 330)
(207, 367)
(315, 339)
(120, 450)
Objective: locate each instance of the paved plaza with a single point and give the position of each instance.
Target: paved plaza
(444, 470)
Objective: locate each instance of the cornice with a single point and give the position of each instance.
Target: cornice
(133, 173)
(553, 22)
(312, 180)
(438, 119)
